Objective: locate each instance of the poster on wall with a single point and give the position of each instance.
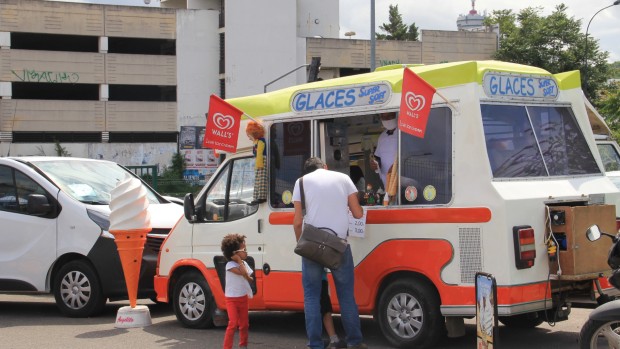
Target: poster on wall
(486, 311)
(200, 163)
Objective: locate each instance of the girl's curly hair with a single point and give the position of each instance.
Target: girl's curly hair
(255, 129)
(231, 243)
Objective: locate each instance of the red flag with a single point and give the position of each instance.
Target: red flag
(415, 104)
(222, 128)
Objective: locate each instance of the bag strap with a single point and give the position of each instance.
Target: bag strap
(303, 197)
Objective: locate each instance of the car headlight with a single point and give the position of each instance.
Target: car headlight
(102, 220)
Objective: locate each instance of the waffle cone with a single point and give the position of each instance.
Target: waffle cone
(130, 245)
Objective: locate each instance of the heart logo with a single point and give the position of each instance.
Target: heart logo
(222, 121)
(295, 129)
(415, 102)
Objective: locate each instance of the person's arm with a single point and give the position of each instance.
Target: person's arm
(240, 270)
(354, 206)
(298, 219)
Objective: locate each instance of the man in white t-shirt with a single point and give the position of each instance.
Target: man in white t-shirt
(329, 196)
(387, 146)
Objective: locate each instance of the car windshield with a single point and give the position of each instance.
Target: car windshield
(87, 181)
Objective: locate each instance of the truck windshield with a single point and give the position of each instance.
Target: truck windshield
(535, 141)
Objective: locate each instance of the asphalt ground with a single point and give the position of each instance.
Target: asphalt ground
(35, 322)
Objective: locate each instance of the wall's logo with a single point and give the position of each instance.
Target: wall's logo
(414, 102)
(295, 129)
(222, 121)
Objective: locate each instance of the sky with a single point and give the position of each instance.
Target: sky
(442, 15)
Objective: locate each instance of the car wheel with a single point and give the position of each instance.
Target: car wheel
(193, 302)
(409, 315)
(77, 290)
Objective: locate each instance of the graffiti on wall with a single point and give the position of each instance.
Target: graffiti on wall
(31, 75)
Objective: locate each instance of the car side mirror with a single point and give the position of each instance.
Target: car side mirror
(189, 208)
(38, 205)
(593, 233)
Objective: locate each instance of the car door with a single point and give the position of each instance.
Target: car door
(226, 208)
(27, 241)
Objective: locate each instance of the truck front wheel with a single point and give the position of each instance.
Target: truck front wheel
(193, 302)
(408, 314)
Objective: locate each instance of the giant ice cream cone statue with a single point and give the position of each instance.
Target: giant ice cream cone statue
(129, 223)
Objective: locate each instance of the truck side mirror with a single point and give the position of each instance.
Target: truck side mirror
(593, 233)
(188, 207)
(38, 205)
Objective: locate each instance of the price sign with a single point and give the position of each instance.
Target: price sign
(357, 226)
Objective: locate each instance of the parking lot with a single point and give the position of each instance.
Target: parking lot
(34, 321)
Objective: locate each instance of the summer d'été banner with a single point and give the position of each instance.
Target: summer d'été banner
(415, 104)
(222, 127)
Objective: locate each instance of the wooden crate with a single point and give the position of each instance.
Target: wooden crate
(581, 255)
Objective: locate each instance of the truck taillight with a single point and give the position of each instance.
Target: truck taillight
(525, 246)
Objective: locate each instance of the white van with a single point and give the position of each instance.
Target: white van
(507, 169)
(54, 215)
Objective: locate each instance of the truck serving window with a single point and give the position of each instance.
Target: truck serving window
(535, 141)
(426, 171)
(289, 147)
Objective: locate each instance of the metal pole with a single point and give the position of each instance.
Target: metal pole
(585, 55)
(301, 66)
(372, 36)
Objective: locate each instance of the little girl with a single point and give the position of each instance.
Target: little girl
(238, 289)
(256, 133)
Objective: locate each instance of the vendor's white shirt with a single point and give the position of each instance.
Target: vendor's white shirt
(237, 285)
(327, 204)
(387, 146)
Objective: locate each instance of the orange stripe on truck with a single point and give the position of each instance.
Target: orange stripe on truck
(408, 215)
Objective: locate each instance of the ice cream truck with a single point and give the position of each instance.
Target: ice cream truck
(505, 181)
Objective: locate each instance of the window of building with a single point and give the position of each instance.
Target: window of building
(53, 137)
(52, 86)
(142, 93)
(54, 42)
(143, 137)
(142, 46)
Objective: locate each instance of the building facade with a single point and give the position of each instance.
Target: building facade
(132, 84)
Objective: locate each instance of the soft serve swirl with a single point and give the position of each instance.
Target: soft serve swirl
(128, 205)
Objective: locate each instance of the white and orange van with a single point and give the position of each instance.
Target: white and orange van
(508, 169)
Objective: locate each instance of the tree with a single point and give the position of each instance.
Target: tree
(609, 106)
(554, 43)
(396, 29)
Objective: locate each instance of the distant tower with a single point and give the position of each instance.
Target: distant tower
(471, 21)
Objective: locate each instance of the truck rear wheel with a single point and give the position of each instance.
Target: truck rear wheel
(408, 314)
(193, 302)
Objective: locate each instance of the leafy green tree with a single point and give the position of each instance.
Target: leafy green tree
(175, 171)
(413, 33)
(396, 29)
(608, 105)
(553, 42)
(615, 70)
